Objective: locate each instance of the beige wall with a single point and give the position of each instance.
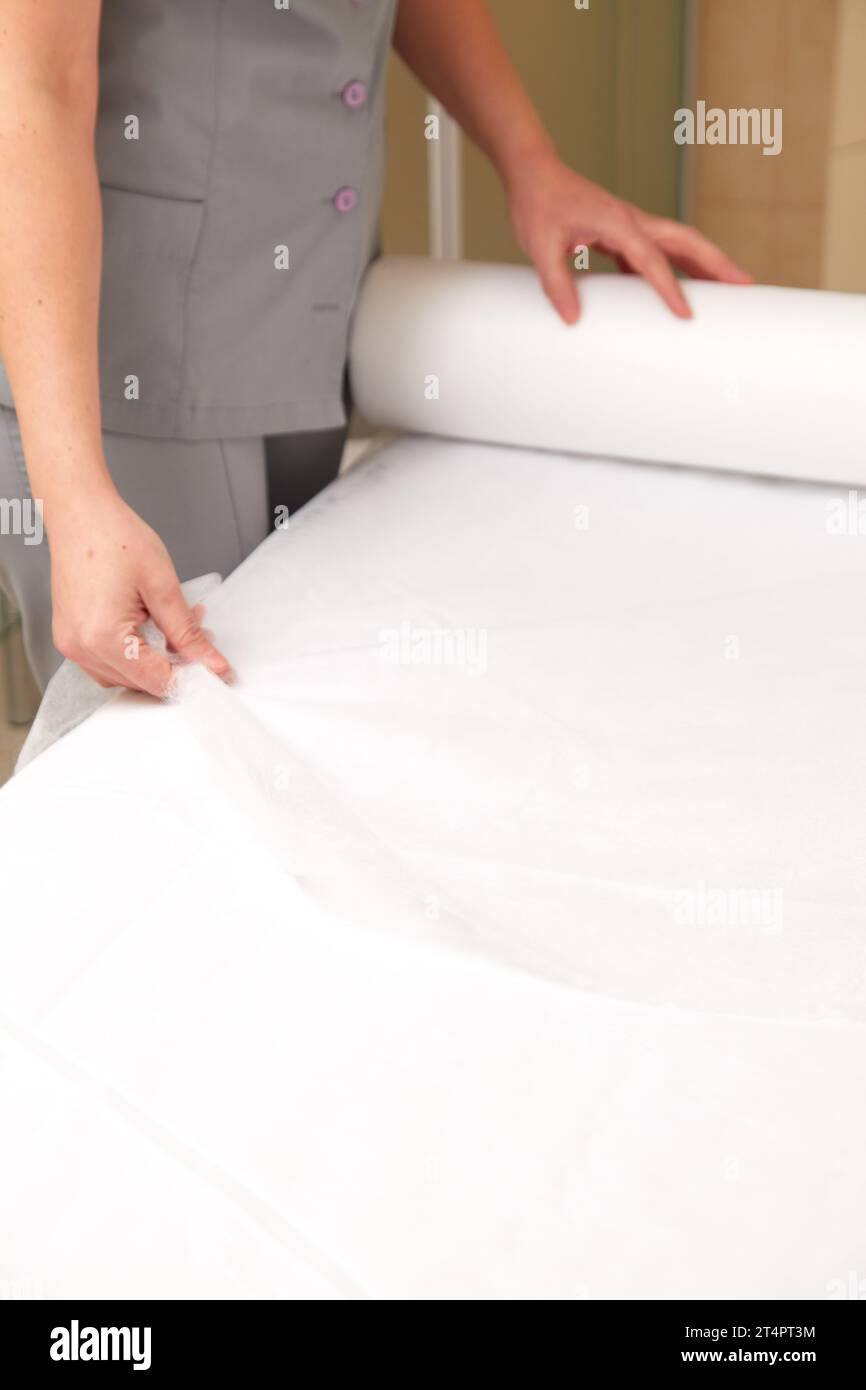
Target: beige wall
(404, 213)
(844, 259)
(605, 80)
(768, 212)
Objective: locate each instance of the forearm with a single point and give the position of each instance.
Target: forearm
(453, 47)
(50, 254)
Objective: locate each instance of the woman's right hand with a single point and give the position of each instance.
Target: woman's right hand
(110, 572)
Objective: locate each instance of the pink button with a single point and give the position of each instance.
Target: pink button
(354, 94)
(346, 199)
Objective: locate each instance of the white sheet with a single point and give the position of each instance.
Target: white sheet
(397, 980)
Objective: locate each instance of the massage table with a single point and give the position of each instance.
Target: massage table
(500, 933)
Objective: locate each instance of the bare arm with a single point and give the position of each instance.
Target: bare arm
(50, 239)
(109, 570)
(453, 47)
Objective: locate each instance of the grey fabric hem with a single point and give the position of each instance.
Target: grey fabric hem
(221, 422)
(145, 420)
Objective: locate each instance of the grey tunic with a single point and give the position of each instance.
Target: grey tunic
(240, 153)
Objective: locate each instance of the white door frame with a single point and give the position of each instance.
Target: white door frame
(444, 186)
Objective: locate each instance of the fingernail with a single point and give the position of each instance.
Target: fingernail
(225, 673)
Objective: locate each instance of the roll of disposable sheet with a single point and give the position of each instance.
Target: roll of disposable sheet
(762, 380)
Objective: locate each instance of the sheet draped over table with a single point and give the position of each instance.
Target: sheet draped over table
(533, 1073)
(500, 934)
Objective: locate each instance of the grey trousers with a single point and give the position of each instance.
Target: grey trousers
(211, 502)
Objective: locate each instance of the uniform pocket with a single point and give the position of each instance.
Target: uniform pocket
(149, 245)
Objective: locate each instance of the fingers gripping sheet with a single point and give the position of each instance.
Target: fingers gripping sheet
(500, 934)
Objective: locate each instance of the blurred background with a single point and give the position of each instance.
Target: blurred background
(607, 80)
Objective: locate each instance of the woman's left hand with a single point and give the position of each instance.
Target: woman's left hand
(555, 211)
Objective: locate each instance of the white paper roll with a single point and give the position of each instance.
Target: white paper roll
(763, 380)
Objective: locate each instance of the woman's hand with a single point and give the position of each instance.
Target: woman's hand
(554, 211)
(110, 572)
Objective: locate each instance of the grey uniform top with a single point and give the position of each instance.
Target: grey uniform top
(240, 153)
